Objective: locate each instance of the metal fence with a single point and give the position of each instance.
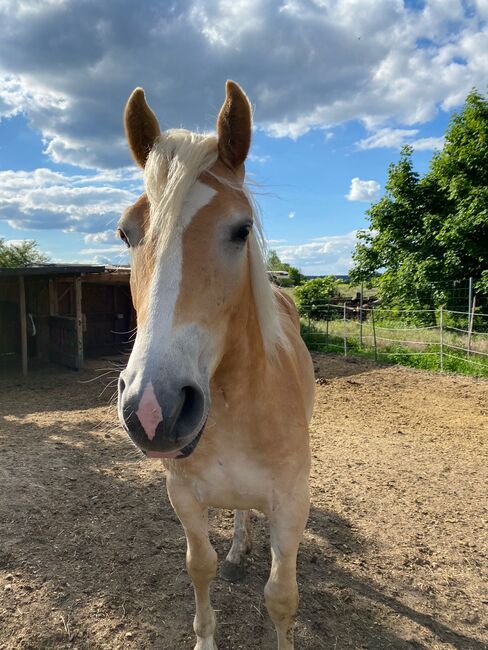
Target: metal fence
(441, 339)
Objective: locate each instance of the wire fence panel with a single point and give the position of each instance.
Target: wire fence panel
(359, 331)
(408, 329)
(456, 347)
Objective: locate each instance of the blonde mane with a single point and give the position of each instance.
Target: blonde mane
(174, 164)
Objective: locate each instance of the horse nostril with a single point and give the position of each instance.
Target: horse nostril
(191, 410)
(121, 385)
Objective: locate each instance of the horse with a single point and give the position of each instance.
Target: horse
(219, 384)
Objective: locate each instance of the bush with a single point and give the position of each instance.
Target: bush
(313, 294)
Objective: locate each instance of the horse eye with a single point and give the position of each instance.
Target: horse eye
(123, 237)
(241, 233)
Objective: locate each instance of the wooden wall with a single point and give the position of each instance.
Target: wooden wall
(105, 317)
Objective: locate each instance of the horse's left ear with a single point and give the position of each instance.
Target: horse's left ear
(234, 125)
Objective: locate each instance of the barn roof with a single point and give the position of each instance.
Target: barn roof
(63, 269)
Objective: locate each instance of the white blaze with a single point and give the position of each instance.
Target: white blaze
(166, 282)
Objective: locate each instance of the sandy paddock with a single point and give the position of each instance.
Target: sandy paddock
(395, 554)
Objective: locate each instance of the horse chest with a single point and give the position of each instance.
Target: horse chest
(233, 483)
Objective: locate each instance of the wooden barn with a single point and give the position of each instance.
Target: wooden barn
(63, 313)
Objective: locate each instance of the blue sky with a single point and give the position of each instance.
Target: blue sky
(337, 88)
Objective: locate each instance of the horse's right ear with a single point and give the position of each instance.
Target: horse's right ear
(141, 126)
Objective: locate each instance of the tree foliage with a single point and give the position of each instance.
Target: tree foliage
(22, 253)
(312, 295)
(432, 229)
(273, 263)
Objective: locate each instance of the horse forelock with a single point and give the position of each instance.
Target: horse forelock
(173, 166)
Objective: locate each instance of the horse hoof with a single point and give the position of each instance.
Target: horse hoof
(232, 572)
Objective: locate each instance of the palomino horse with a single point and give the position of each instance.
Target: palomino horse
(219, 383)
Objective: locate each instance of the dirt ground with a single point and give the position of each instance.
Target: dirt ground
(394, 557)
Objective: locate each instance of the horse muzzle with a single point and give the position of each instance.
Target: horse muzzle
(163, 421)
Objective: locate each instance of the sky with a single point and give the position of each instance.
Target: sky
(337, 87)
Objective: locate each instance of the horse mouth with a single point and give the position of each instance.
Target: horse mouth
(184, 452)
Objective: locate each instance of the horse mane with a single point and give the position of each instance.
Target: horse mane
(175, 162)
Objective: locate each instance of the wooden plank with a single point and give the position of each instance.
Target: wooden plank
(107, 278)
(62, 341)
(23, 324)
(78, 324)
(53, 298)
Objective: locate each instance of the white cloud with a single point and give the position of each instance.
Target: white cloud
(390, 138)
(322, 255)
(115, 258)
(116, 254)
(259, 159)
(363, 190)
(273, 242)
(291, 215)
(387, 138)
(99, 237)
(116, 248)
(44, 200)
(428, 144)
(69, 67)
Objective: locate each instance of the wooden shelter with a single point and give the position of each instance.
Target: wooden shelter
(64, 313)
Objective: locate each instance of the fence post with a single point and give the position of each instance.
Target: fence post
(345, 333)
(361, 316)
(470, 325)
(327, 330)
(441, 333)
(470, 297)
(374, 335)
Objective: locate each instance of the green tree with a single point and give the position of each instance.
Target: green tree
(273, 263)
(431, 229)
(23, 253)
(312, 295)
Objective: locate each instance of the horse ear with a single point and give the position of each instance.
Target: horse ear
(234, 125)
(141, 126)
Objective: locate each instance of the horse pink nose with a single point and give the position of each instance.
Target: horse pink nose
(149, 411)
(162, 417)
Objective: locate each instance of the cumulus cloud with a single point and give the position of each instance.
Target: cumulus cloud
(115, 249)
(45, 200)
(261, 159)
(116, 258)
(273, 242)
(390, 138)
(428, 144)
(70, 66)
(321, 256)
(363, 190)
(99, 237)
(387, 138)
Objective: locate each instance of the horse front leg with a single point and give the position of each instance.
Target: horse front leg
(287, 523)
(201, 559)
(232, 568)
